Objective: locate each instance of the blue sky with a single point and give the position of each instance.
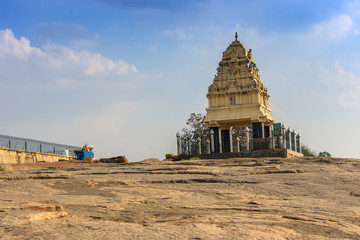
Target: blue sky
(125, 75)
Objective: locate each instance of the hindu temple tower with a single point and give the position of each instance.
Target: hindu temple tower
(237, 97)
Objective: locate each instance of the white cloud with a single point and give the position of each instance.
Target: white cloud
(54, 57)
(346, 85)
(12, 47)
(91, 63)
(338, 27)
(179, 33)
(69, 95)
(97, 64)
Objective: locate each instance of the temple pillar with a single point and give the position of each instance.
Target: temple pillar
(238, 144)
(189, 145)
(231, 139)
(208, 146)
(290, 139)
(271, 136)
(212, 147)
(199, 145)
(178, 143)
(247, 138)
(283, 128)
(220, 140)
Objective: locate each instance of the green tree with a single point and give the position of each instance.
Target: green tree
(196, 127)
(307, 151)
(324, 154)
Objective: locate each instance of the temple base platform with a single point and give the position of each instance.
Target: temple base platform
(284, 153)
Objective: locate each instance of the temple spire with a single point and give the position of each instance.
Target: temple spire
(237, 96)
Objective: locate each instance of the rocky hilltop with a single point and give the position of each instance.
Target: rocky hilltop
(269, 198)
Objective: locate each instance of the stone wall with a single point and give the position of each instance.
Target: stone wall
(12, 156)
(285, 153)
(291, 153)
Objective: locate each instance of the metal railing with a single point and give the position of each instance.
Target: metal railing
(25, 144)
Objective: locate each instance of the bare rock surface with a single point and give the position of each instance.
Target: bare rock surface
(269, 198)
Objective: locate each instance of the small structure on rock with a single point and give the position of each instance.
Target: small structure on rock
(238, 98)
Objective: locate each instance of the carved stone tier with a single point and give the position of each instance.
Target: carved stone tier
(237, 97)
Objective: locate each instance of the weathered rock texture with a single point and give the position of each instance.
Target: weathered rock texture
(272, 198)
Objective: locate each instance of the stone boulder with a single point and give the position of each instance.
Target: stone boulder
(118, 159)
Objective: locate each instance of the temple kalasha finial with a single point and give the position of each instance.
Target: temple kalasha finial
(236, 36)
